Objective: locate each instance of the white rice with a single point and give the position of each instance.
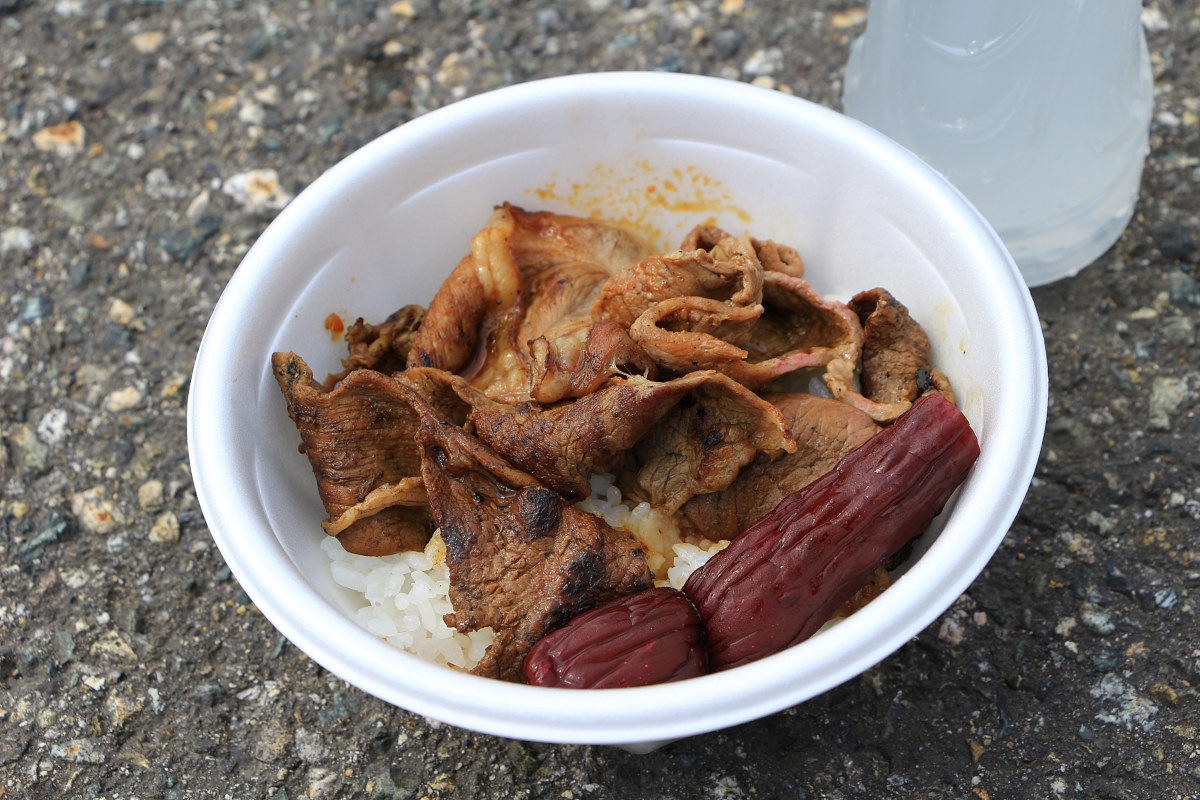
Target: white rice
(688, 559)
(406, 595)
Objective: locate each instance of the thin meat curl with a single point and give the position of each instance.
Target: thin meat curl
(718, 307)
(896, 366)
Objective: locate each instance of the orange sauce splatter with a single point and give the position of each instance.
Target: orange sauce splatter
(636, 193)
(335, 326)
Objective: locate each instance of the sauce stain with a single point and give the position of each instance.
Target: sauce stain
(335, 326)
(641, 195)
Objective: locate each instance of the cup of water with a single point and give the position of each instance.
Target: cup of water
(1037, 110)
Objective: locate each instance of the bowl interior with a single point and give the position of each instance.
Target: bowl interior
(662, 152)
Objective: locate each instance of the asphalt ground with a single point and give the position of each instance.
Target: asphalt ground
(132, 665)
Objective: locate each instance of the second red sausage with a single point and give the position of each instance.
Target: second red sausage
(786, 575)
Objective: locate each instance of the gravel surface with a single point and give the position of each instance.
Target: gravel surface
(144, 144)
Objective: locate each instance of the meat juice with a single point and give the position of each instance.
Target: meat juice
(1037, 110)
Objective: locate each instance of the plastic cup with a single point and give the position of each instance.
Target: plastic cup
(1038, 110)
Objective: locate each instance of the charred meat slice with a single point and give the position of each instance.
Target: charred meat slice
(359, 439)
(824, 430)
(545, 241)
(470, 328)
(564, 262)
(716, 429)
(682, 334)
(576, 364)
(564, 445)
(799, 320)
(522, 560)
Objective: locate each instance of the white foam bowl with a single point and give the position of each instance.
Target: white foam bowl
(382, 229)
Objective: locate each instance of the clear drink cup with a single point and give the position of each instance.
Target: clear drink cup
(1037, 110)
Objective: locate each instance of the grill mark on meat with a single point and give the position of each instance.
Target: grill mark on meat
(585, 572)
(541, 511)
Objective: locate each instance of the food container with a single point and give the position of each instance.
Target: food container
(663, 152)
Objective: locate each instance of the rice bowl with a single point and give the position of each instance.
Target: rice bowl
(862, 211)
